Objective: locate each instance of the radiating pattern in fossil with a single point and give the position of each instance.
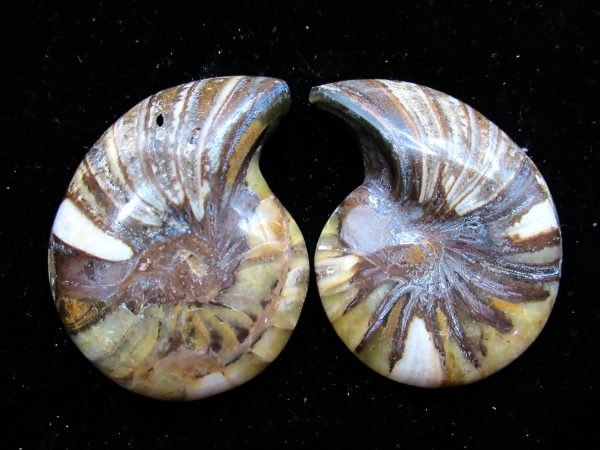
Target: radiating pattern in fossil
(443, 266)
(173, 266)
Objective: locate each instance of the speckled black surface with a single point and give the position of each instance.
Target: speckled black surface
(67, 74)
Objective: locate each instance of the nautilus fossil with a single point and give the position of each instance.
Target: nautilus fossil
(173, 266)
(443, 266)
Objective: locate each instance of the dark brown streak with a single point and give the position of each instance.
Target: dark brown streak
(407, 312)
(495, 262)
(442, 209)
(381, 312)
(513, 200)
(366, 286)
(92, 185)
(432, 326)
(511, 290)
(482, 311)
(449, 308)
(550, 238)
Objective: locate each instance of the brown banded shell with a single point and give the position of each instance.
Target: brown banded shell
(173, 266)
(443, 266)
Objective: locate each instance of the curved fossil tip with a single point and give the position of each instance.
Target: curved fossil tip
(338, 98)
(361, 104)
(277, 99)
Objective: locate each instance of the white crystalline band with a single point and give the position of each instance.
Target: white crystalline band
(539, 219)
(212, 384)
(74, 228)
(420, 365)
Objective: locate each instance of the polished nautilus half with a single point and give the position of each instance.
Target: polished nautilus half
(173, 266)
(443, 266)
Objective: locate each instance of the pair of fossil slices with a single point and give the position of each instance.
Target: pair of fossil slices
(180, 275)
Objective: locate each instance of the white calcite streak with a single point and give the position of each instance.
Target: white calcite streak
(541, 218)
(420, 365)
(212, 384)
(74, 228)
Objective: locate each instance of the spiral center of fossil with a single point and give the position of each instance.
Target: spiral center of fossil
(181, 267)
(394, 242)
(410, 254)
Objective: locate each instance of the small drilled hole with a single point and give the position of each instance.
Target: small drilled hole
(160, 120)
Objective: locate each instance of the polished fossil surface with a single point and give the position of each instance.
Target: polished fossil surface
(173, 266)
(443, 266)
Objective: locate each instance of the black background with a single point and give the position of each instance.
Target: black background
(69, 73)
